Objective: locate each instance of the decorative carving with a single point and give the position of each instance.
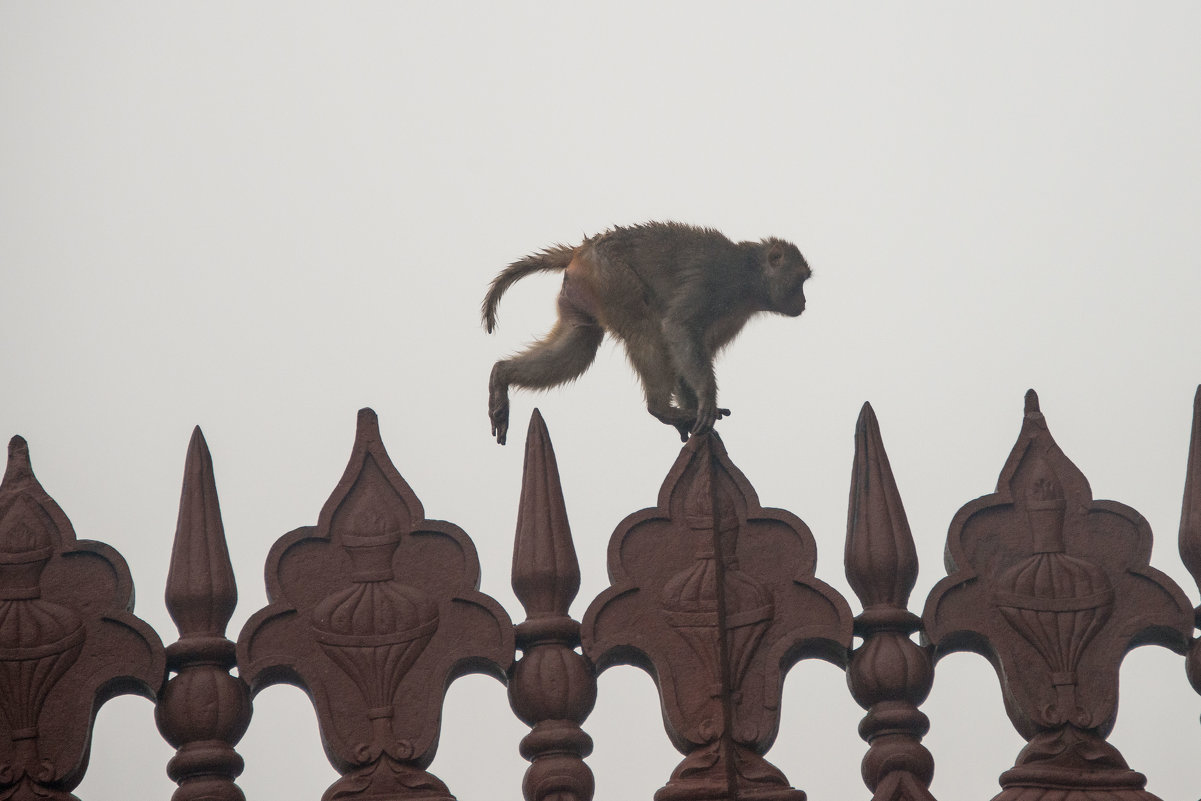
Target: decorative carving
(203, 711)
(552, 687)
(1054, 587)
(889, 675)
(716, 598)
(68, 639)
(373, 612)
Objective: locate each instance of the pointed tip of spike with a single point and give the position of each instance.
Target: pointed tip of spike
(197, 440)
(17, 446)
(198, 452)
(867, 416)
(1032, 402)
(536, 434)
(18, 460)
(368, 421)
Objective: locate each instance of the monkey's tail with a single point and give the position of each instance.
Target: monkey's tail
(549, 260)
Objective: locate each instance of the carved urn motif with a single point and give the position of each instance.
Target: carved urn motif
(39, 640)
(374, 630)
(68, 639)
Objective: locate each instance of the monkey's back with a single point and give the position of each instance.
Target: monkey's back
(639, 271)
(666, 246)
(663, 254)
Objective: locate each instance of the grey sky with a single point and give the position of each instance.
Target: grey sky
(261, 217)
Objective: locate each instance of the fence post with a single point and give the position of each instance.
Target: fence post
(203, 711)
(551, 688)
(889, 675)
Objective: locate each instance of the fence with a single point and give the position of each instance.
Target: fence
(374, 610)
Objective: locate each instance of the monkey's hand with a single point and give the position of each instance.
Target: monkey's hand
(498, 413)
(500, 430)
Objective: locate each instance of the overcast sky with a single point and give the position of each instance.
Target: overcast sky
(260, 217)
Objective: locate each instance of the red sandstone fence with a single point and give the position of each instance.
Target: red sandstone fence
(376, 609)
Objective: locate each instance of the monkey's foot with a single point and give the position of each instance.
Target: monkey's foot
(705, 418)
(683, 420)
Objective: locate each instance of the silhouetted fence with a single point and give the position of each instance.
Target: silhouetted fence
(375, 609)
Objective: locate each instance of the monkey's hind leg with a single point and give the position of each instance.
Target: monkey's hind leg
(563, 355)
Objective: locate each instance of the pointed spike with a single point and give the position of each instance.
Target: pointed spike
(201, 594)
(867, 419)
(368, 423)
(880, 557)
(17, 446)
(1190, 511)
(546, 574)
(18, 466)
(1032, 402)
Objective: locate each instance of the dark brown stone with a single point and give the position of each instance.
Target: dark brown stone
(373, 612)
(1190, 533)
(1054, 588)
(890, 674)
(552, 688)
(203, 711)
(716, 598)
(68, 639)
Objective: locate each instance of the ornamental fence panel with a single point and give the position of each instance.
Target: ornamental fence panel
(375, 610)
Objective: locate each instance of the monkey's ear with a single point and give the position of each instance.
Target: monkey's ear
(775, 254)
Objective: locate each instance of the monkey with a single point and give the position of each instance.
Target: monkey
(673, 294)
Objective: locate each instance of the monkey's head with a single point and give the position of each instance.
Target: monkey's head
(784, 273)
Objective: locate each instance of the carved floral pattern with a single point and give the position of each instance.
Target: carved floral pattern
(374, 611)
(1054, 587)
(716, 597)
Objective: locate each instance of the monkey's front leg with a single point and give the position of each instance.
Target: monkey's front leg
(684, 333)
(686, 399)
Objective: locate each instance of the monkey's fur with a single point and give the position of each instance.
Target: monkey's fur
(673, 294)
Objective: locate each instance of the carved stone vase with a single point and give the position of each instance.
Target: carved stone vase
(375, 630)
(39, 642)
